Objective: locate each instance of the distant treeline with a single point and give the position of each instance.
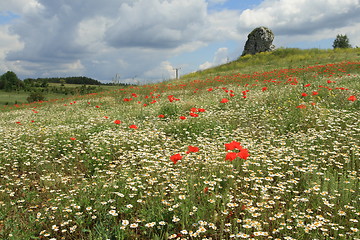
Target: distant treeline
(10, 82)
(68, 80)
(37, 88)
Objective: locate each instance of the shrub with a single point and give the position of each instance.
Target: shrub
(35, 97)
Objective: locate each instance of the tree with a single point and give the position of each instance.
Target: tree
(9, 81)
(341, 41)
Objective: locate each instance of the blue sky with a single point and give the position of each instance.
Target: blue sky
(149, 38)
(234, 4)
(7, 17)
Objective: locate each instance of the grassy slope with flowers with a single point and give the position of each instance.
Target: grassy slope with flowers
(264, 147)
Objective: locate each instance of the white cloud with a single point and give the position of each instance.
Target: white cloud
(205, 65)
(221, 25)
(157, 24)
(221, 56)
(301, 17)
(166, 70)
(8, 42)
(130, 37)
(90, 33)
(138, 37)
(21, 6)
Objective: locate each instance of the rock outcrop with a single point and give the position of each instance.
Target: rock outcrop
(259, 40)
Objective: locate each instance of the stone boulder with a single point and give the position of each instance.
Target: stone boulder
(259, 40)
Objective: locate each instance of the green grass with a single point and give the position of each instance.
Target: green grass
(281, 58)
(69, 172)
(20, 97)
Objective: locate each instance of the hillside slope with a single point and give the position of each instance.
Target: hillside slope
(247, 151)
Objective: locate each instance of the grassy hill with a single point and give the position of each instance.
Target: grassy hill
(263, 147)
(282, 58)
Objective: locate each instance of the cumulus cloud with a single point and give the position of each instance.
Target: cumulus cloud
(8, 42)
(221, 56)
(157, 24)
(138, 37)
(165, 68)
(305, 17)
(119, 36)
(21, 6)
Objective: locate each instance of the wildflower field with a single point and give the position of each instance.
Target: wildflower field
(263, 155)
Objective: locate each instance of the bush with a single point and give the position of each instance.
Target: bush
(35, 97)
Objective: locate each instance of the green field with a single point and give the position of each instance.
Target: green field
(265, 147)
(12, 98)
(20, 97)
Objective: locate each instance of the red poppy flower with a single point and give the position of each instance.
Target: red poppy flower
(244, 154)
(194, 114)
(171, 98)
(133, 126)
(233, 145)
(304, 94)
(194, 110)
(232, 95)
(117, 121)
(210, 89)
(192, 149)
(182, 117)
(106, 117)
(264, 89)
(307, 85)
(352, 98)
(201, 109)
(315, 93)
(97, 106)
(302, 106)
(72, 138)
(230, 156)
(175, 158)
(206, 189)
(161, 116)
(224, 100)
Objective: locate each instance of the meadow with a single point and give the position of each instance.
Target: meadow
(20, 97)
(261, 148)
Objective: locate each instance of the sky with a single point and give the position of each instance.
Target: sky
(143, 41)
